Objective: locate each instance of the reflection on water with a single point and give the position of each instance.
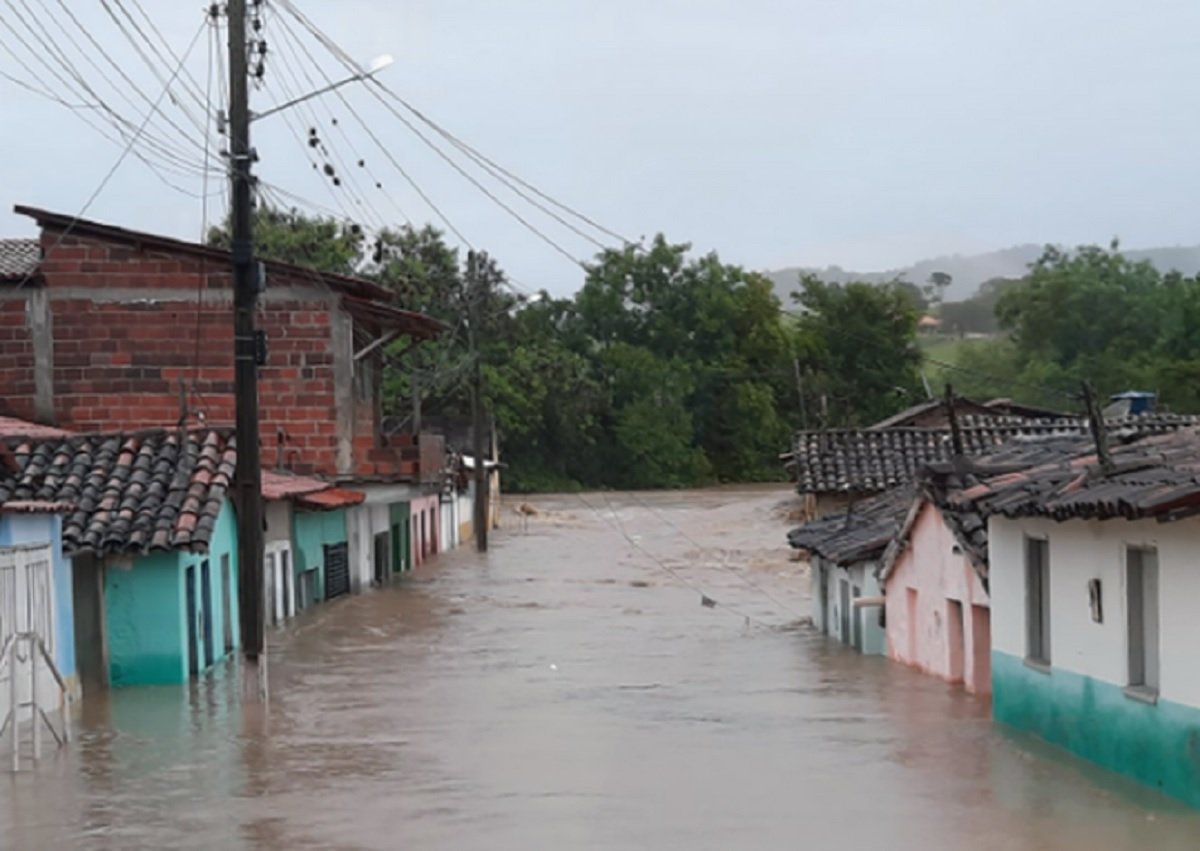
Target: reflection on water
(567, 691)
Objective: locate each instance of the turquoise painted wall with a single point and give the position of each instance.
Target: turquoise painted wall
(313, 530)
(223, 543)
(1157, 744)
(146, 610)
(144, 613)
(40, 529)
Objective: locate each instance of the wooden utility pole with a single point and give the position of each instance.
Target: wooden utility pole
(800, 394)
(956, 441)
(248, 478)
(1098, 428)
(474, 295)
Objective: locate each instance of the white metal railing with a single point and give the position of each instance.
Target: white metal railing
(37, 656)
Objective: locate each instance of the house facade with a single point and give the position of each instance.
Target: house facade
(1092, 573)
(1094, 642)
(845, 553)
(938, 608)
(112, 329)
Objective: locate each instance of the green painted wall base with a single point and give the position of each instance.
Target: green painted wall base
(1158, 744)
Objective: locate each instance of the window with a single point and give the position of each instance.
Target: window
(1037, 600)
(1141, 596)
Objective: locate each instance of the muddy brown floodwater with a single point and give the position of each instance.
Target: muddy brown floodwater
(569, 691)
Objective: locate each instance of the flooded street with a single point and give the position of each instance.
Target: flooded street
(570, 691)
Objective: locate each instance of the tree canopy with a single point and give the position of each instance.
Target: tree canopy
(666, 368)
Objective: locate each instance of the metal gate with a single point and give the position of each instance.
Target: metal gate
(29, 679)
(26, 603)
(337, 570)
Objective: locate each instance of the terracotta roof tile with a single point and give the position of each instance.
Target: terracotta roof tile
(127, 493)
(13, 427)
(866, 461)
(19, 257)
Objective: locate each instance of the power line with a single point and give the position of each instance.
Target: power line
(387, 152)
(619, 527)
(172, 161)
(292, 93)
(507, 177)
(428, 143)
(124, 153)
(288, 48)
(202, 99)
(214, 45)
(497, 171)
(736, 573)
(120, 71)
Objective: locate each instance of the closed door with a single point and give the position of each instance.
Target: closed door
(206, 613)
(955, 641)
(382, 562)
(845, 619)
(227, 601)
(189, 579)
(823, 576)
(856, 620)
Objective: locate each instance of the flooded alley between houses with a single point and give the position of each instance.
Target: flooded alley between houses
(569, 690)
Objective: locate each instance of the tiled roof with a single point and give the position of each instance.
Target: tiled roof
(13, 427)
(861, 533)
(332, 498)
(867, 461)
(19, 257)
(285, 485)
(127, 494)
(922, 410)
(1158, 476)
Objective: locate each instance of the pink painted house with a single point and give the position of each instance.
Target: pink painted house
(934, 578)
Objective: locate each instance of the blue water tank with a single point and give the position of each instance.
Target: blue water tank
(1136, 401)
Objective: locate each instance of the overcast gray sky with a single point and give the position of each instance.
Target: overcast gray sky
(867, 133)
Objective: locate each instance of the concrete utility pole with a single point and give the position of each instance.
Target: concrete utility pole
(248, 478)
(474, 294)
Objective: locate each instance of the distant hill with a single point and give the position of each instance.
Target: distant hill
(971, 271)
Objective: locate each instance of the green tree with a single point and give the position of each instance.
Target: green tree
(288, 236)
(858, 342)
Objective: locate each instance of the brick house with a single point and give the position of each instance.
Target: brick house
(105, 329)
(113, 325)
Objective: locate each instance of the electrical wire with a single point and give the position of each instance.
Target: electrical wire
(202, 281)
(121, 159)
(169, 157)
(787, 609)
(291, 92)
(287, 5)
(289, 58)
(189, 82)
(705, 598)
(391, 157)
(133, 86)
(512, 181)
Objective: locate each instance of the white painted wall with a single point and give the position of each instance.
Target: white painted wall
(862, 575)
(1083, 550)
(278, 515)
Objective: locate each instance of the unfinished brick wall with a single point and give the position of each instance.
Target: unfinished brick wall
(16, 358)
(126, 325)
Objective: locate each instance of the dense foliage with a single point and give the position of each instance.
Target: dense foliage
(668, 369)
(664, 370)
(1093, 315)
